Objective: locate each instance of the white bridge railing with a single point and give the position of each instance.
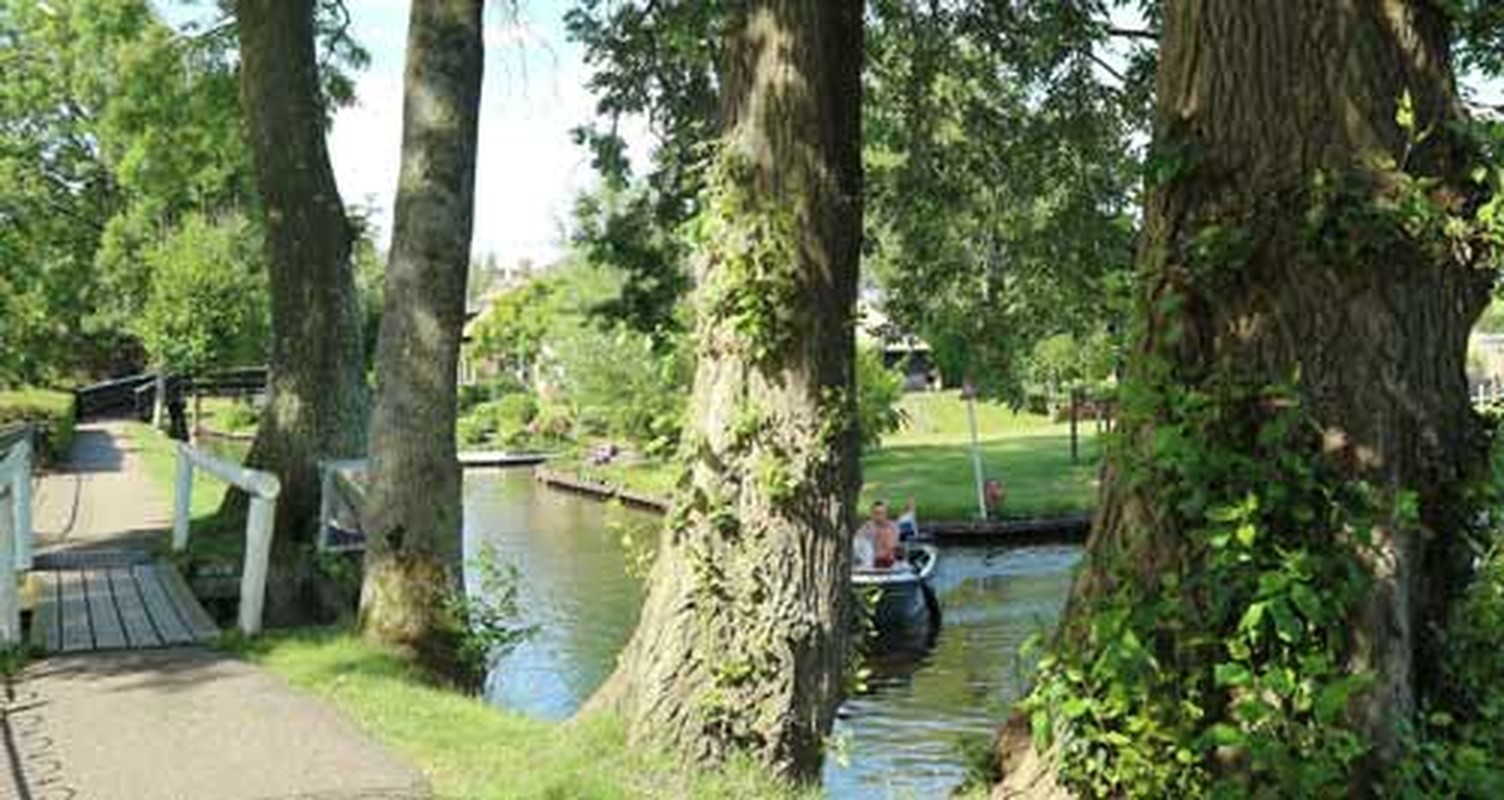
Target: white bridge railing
(341, 501)
(15, 535)
(263, 487)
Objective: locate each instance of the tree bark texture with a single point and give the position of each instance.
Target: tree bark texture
(412, 562)
(744, 636)
(1257, 102)
(317, 395)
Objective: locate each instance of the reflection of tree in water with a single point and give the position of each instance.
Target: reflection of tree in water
(575, 584)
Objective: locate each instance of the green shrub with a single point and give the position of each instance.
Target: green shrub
(53, 411)
(506, 421)
(237, 418)
(208, 306)
(878, 390)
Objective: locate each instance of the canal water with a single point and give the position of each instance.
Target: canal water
(901, 739)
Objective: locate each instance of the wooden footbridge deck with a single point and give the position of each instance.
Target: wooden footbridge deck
(102, 604)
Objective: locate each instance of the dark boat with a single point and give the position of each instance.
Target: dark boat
(903, 598)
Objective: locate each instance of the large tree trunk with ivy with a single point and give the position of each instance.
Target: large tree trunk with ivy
(412, 566)
(744, 634)
(1284, 520)
(317, 399)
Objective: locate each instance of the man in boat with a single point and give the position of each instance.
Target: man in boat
(883, 534)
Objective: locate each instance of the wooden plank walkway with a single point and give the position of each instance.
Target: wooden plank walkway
(84, 607)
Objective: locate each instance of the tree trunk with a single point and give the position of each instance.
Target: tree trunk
(1278, 249)
(744, 636)
(317, 396)
(414, 517)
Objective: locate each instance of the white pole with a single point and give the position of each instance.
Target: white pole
(159, 401)
(976, 451)
(10, 594)
(258, 548)
(182, 500)
(21, 492)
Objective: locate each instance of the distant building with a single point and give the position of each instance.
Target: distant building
(901, 350)
(483, 293)
(1485, 364)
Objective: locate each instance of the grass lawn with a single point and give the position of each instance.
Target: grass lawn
(930, 460)
(209, 535)
(226, 415)
(473, 751)
(50, 409)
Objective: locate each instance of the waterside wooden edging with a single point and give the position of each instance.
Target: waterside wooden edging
(1070, 528)
(600, 491)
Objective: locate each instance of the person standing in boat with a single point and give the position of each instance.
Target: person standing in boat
(883, 536)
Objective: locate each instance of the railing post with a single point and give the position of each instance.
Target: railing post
(159, 400)
(182, 499)
(10, 593)
(258, 547)
(21, 495)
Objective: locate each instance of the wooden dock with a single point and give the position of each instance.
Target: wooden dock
(113, 605)
(601, 491)
(474, 459)
(1066, 528)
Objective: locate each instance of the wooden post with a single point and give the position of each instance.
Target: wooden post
(21, 495)
(10, 593)
(198, 413)
(258, 550)
(182, 500)
(1075, 433)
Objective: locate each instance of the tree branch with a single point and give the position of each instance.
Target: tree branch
(1144, 34)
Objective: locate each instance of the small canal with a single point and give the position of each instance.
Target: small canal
(901, 739)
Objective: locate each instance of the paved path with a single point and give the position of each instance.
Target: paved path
(102, 498)
(183, 723)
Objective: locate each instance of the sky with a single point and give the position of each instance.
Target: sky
(529, 169)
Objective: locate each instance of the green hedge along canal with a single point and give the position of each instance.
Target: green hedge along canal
(902, 738)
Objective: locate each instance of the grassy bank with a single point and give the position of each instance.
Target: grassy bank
(473, 751)
(212, 537)
(929, 459)
(53, 411)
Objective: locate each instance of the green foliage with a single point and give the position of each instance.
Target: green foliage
(490, 614)
(1457, 743)
(208, 305)
(878, 392)
(1236, 651)
(1458, 751)
(622, 230)
(750, 240)
(52, 411)
(999, 169)
(512, 329)
(1063, 363)
(116, 127)
(620, 384)
(1492, 320)
(506, 421)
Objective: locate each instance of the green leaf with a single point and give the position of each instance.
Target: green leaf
(1232, 674)
(1404, 113)
(1287, 626)
(1041, 728)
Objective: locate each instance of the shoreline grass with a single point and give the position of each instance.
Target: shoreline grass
(930, 460)
(471, 750)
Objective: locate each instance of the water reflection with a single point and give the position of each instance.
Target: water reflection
(900, 739)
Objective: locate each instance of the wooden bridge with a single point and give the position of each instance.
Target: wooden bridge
(88, 588)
